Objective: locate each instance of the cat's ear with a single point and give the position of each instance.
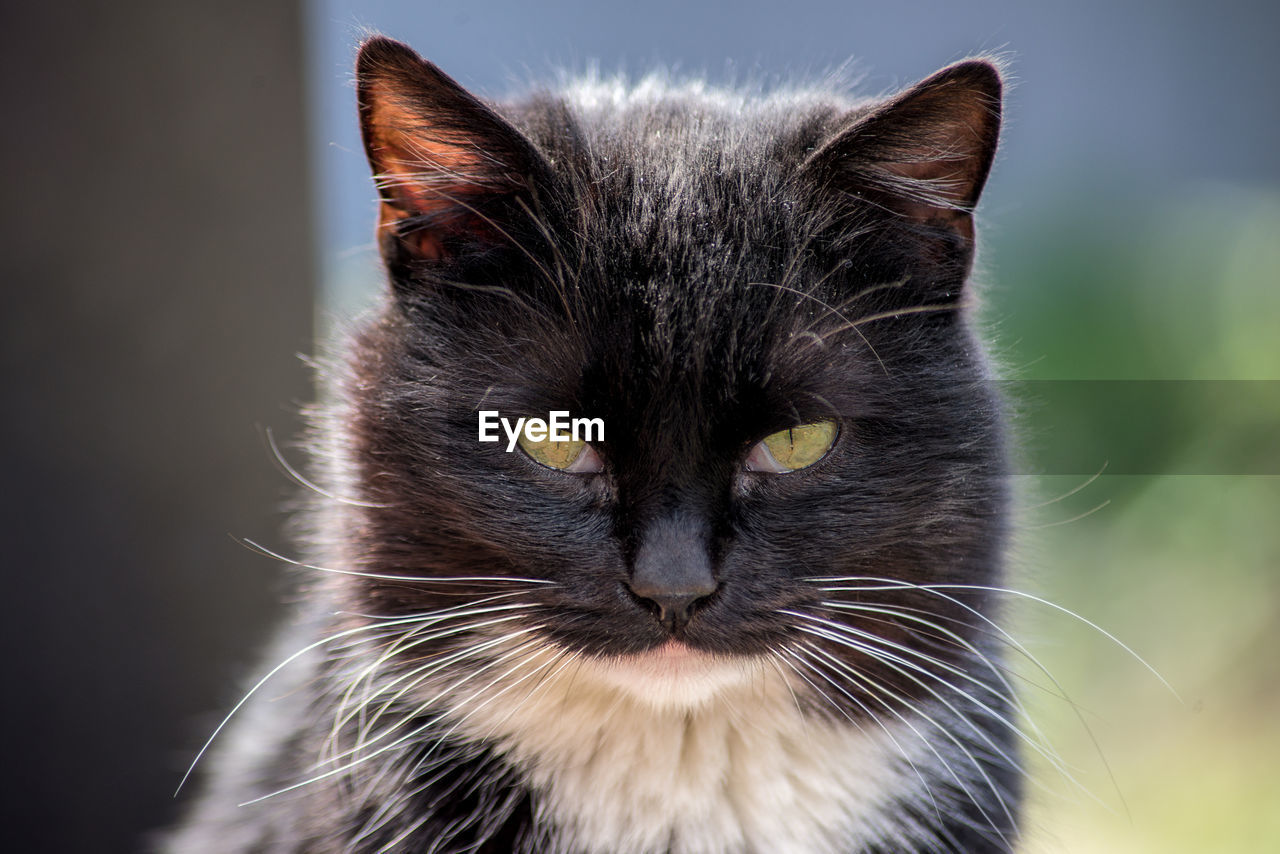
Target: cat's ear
(925, 152)
(453, 175)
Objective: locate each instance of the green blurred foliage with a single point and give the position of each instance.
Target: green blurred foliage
(1175, 289)
(1184, 569)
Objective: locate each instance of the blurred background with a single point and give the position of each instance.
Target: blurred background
(187, 203)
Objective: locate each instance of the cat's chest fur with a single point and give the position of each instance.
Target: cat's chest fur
(689, 759)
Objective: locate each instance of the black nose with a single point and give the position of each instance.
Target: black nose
(672, 574)
(673, 610)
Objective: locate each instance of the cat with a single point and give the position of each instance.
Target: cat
(753, 613)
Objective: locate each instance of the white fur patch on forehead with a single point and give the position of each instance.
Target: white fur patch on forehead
(681, 753)
(614, 92)
(597, 92)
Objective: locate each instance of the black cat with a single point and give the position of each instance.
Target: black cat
(744, 620)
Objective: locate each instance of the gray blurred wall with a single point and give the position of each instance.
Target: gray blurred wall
(157, 276)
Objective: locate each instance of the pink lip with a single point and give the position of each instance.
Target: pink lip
(672, 649)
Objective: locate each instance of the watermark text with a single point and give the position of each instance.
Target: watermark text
(558, 427)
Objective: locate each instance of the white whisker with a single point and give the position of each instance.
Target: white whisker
(253, 690)
(878, 690)
(897, 663)
(387, 747)
(796, 654)
(301, 480)
(460, 579)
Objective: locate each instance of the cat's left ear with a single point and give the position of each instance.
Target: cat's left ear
(924, 153)
(454, 176)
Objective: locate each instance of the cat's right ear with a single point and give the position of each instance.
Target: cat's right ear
(454, 177)
(923, 154)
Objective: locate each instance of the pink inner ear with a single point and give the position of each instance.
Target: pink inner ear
(424, 243)
(924, 153)
(421, 172)
(936, 191)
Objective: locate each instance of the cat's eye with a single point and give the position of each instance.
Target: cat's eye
(574, 456)
(793, 448)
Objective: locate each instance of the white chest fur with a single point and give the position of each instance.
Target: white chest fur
(677, 752)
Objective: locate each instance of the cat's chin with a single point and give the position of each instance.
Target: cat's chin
(674, 675)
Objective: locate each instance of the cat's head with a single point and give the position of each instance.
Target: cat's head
(763, 299)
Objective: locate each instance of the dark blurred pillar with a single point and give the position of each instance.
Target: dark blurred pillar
(157, 274)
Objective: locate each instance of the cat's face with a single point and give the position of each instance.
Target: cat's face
(702, 276)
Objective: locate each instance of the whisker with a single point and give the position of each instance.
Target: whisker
(876, 689)
(896, 663)
(417, 677)
(1078, 488)
(301, 480)
(1012, 592)
(1001, 633)
(997, 670)
(936, 588)
(406, 642)
(467, 605)
(567, 656)
(476, 693)
(777, 663)
(266, 552)
(950, 668)
(257, 685)
(885, 584)
(891, 313)
(797, 656)
(893, 663)
(830, 310)
(1086, 514)
(385, 748)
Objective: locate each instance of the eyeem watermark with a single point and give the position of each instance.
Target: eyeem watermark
(558, 427)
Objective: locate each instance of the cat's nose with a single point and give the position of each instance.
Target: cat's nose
(673, 610)
(672, 574)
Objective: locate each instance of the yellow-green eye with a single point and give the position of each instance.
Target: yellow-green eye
(573, 455)
(793, 448)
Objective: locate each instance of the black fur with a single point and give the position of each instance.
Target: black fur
(699, 272)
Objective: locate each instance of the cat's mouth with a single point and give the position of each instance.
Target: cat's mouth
(672, 657)
(674, 674)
